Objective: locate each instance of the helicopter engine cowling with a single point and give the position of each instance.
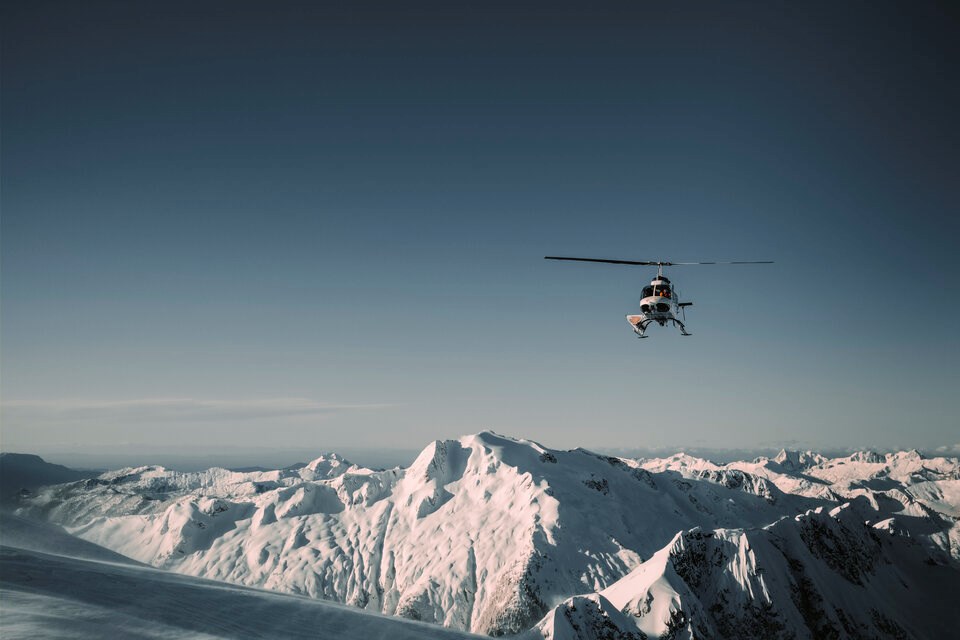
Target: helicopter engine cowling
(656, 305)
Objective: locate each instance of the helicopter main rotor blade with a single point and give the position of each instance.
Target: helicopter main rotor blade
(648, 263)
(673, 264)
(642, 263)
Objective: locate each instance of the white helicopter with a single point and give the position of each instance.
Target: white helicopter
(659, 302)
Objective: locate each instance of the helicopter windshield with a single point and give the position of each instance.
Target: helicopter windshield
(659, 290)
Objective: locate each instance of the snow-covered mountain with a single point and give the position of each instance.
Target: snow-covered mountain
(920, 496)
(823, 574)
(488, 533)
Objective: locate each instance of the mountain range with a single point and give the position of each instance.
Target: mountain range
(497, 535)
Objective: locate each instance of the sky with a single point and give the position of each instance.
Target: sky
(256, 227)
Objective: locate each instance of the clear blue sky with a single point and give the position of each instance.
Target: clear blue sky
(320, 225)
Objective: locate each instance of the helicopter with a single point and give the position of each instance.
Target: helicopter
(660, 301)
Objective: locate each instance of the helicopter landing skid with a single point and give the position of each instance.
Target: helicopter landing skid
(640, 326)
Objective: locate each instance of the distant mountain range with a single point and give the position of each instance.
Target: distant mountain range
(23, 472)
(497, 535)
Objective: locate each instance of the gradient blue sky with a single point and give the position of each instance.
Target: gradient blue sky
(319, 225)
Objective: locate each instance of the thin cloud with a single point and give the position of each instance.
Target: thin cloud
(173, 409)
(949, 449)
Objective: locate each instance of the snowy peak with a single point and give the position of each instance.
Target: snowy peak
(870, 457)
(587, 617)
(514, 452)
(442, 460)
(446, 461)
(329, 465)
(797, 460)
(424, 484)
(678, 462)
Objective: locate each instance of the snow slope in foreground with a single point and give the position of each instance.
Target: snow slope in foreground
(52, 596)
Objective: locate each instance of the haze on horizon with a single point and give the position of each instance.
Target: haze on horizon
(321, 226)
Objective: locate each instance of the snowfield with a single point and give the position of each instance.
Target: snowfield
(496, 535)
(97, 594)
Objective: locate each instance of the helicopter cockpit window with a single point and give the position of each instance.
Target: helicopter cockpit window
(647, 292)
